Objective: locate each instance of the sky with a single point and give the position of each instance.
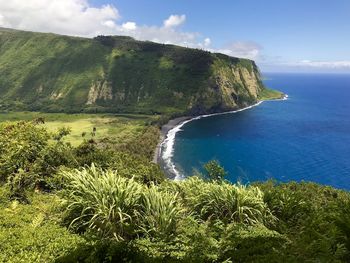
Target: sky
(280, 35)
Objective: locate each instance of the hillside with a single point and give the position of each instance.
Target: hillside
(55, 73)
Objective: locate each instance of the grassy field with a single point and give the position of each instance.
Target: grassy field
(270, 94)
(114, 127)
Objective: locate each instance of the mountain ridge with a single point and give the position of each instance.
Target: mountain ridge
(57, 73)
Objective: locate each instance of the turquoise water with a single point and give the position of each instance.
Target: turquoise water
(306, 137)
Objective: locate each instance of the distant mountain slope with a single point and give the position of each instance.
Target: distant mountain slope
(51, 72)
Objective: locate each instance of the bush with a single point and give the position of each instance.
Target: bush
(214, 171)
(312, 217)
(143, 146)
(30, 233)
(159, 214)
(20, 145)
(28, 157)
(139, 169)
(117, 207)
(242, 243)
(170, 222)
(225, 201)
(102, 201)
(88, 152)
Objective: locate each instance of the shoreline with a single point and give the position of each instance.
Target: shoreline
(168, 134)
(172, 123)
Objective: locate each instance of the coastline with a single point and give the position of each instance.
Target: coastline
(163, 134)
(164, 150)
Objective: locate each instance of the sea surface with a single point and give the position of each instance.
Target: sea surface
(306, 137)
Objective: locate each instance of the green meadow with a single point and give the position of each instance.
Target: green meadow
(118, 128)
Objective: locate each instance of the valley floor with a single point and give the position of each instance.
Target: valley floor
(118, 128)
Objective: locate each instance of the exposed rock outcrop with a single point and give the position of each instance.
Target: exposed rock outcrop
(100, 90)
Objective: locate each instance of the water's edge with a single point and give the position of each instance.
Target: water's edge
(165, 148)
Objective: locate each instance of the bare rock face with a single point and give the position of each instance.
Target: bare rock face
(250, 80)
(101, 90)
(56, 95)
(236, 85)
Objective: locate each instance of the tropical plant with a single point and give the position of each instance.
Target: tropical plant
(214, 171)
(32, 233)
(226, 202)
(160, 213)
(102, 201)
(243, 243)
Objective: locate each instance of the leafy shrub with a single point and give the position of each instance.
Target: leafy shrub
(308, 215)
(118, 207)
(20, 145)
(28, 157)
(214, 170)
(225, 201)
(103, 201)
(194, 242)
(139, 169)
(88, 152)
(31, 233)
(143, 146)
(159, 213)
(242, 243)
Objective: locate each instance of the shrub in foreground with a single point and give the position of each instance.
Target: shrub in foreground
(223, 201)
(189, 221)
(31, 233)
(117, 207)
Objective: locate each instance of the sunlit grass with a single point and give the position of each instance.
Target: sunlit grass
(118, 128)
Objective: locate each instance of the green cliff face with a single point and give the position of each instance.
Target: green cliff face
(51, 72)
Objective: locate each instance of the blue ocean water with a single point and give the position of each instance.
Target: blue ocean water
(306, 137)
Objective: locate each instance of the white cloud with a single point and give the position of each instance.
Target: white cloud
(109, 23)
(129, 26)
(3, 22)
(341, 64)
(305, 66)
(242, 49)
(207, 42)
(165, 35)
(174, 21)
(71, 17)
(80, 18)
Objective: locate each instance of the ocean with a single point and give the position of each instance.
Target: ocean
(303, 138)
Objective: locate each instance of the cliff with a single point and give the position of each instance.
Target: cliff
(55, 73)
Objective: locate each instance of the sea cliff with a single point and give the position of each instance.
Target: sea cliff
(54, 73)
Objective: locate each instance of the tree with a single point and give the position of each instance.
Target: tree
(214, 170)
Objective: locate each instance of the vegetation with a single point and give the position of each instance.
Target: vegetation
(269, 94)
(81, 188)
(53, 73)
(117, 128)
(102, 202)
(32, 233)
(214, 170)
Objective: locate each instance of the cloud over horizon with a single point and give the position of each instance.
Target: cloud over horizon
(242, 49)
(340, 64)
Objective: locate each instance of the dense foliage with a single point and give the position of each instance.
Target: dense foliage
(100, 202)
(31, 156)
(32, 233)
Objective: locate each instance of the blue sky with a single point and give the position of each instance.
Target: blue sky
(291, 35)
